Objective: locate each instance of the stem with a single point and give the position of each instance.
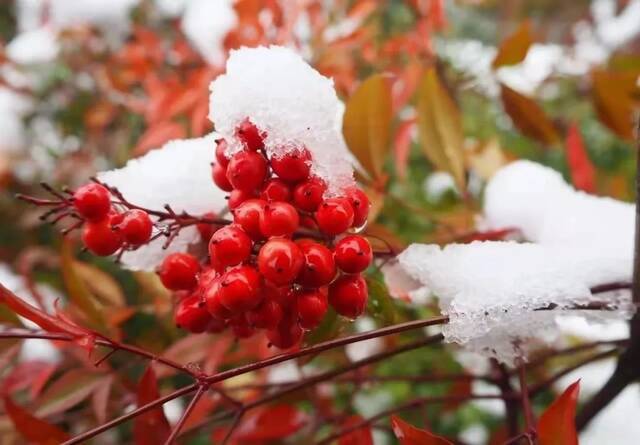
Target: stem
(511, 406)
(529, 420)
(187, 412)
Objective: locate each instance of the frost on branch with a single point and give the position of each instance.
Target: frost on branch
(178, 174)
(537, 201)
(498, 295)
(288, 100)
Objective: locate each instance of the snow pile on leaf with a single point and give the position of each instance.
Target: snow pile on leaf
(33, 47)
(498, 294)
(294, 104)
(13, 107)
(547, 210)
(178, 174)
(206, 23)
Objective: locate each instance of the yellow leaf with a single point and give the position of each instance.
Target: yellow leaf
(440, 127)
(487, 159)
(615, 97)
(101, 284)
(514, 48)
(367, 124)
(529, 117)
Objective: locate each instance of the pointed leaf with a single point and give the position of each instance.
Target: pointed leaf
(615, 95)
(100, 399)
(583, 173)
(272, 423)
(152, 427)
(367, 123)
(360, 436)
(69, 390)
(528, 116)
(410, 435)
(557, 424)
(157, 135)
(514, 48)
(101, 285)
(440, 127)
(31, 428)
(402, 146)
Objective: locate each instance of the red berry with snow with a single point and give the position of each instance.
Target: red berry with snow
(221, 152)
(92, 201)
(192, 315)
(307, 195)
(312, 307)
(247, 170)
(279, 219)
(276, 190)
(241, 289)
(360, 204)
(135, 227)
(229, 246)
(319, 267)
(353, 254)
(265, 316)
(179, 271)
(247, 215)
(280, 261)
(100, 239)
(348, 295)
(293, 166)
(249, 135)
(334, 216)
(219, 175)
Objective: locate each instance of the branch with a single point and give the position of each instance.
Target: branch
(187, 412)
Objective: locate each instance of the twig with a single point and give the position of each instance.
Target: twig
(187, 412)
(529, 421)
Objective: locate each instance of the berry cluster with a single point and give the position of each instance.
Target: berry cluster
(285, 258)
(106, 230)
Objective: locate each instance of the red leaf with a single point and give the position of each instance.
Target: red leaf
(410, 435)
(272, 423)
(360, 436)
(583, 174)
(152, 427)
(33, 429)
(33, 374)
(157, 135)
(557, 425)
(100, 399)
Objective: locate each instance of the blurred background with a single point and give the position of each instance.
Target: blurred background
(86, 85)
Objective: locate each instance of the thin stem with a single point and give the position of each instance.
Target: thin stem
(187, 412)
(529, 420)
(511, 406)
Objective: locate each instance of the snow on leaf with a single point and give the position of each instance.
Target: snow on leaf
(290, 101)
(151, 427)
(206, 23)
(493, 291)
(31, 428)
(178, 174)
(33, 47)
(557, 425)
(408, 434)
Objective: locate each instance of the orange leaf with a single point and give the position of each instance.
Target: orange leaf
(557, 425)
(157, 135)
(528, 116)
(402, 146)
(360, 436)
(410, 435)
(615, 95)
(514, 48)
(31, 428)
(152, 427)
(583, 174)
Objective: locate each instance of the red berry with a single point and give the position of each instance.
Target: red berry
(293, 166)
(179, 271)
(237, 197)
(192, 315)
(100, 239)
(285, 296)
(247, 170)
(312, 307)
(240, 327)
(308, 222)
(216, 326)
(241, 289)
(279, 219)
(280, 261)
(229, 246)
(219, 175)
(287, 334)
(212, 301)
(249, 135)
(307, 195)
(353, 254)
(265, 316)
(334, 216)
(221, 156)
(360, 203)
(92, 201)
(247, 215)
(319, 267)
(207, 230)
(135, 227)
(348, 295)
(276, 190)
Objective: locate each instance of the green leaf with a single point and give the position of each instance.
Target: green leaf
(367, 123)
(440, 127)
(330, 328)
(380, 304)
